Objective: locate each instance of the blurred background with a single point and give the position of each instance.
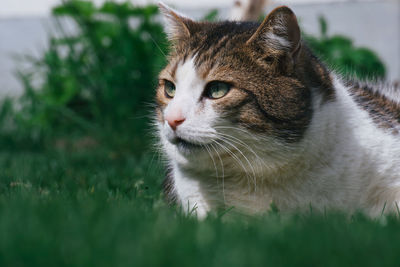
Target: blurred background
(89, 68)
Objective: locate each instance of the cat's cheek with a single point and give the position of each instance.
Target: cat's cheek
(159, 116)
(232, 101)
(161, 100)
(169, 133)
(170, 149)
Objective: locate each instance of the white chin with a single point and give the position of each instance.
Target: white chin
(185, 153)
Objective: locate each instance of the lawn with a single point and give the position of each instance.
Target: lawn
(96, 208)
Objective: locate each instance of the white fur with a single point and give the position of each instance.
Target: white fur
(276, 41)
(344, 161)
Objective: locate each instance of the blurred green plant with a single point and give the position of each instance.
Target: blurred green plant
(97, 80)
(340, 53)
(211, 16)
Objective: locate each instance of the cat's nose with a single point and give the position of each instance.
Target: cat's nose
(173, 123)
(175, 119)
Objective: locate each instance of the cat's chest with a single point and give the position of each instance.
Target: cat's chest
(246, 193)
(294, 189)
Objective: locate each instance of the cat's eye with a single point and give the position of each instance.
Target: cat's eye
(215, 90)
(169, 89)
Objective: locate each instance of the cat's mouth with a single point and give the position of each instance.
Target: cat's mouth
(185, 145)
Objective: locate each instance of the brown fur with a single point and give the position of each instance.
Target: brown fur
(272, 87)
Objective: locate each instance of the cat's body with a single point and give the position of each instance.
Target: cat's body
(248, 117)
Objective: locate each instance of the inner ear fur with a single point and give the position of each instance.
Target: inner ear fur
(178, 27)
(280, 31)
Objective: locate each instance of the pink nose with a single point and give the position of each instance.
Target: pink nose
(175, 122)
(174, 117)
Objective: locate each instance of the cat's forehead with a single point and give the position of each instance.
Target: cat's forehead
(214, 46)
(214, 38)
(211, 33)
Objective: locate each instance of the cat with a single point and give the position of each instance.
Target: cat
(248, 117)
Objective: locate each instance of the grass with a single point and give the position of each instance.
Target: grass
(102, 209)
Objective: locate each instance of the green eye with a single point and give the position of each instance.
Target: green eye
(215, 90)
(169, 89)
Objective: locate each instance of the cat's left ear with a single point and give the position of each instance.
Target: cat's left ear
(178, 26)
(280, 31)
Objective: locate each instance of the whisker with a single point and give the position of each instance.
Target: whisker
(209, 153)
(240, 142)
(254, 136)
(237, 160)
(247, 160)
(159, 48)
(223, 173)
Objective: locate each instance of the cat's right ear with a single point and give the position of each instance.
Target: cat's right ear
(178, 27)
(280, 31)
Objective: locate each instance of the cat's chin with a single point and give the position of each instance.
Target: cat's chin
(185, 147)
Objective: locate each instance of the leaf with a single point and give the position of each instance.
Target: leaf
(211, 16)
(323, 26)
(74, 8)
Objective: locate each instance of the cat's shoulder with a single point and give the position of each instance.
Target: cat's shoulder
(380, 90)
(380, 100)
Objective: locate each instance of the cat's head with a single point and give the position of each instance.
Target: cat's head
(233, 84)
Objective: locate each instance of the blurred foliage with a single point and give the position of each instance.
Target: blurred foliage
(340, 53)
(96, 80)
(211, 16)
